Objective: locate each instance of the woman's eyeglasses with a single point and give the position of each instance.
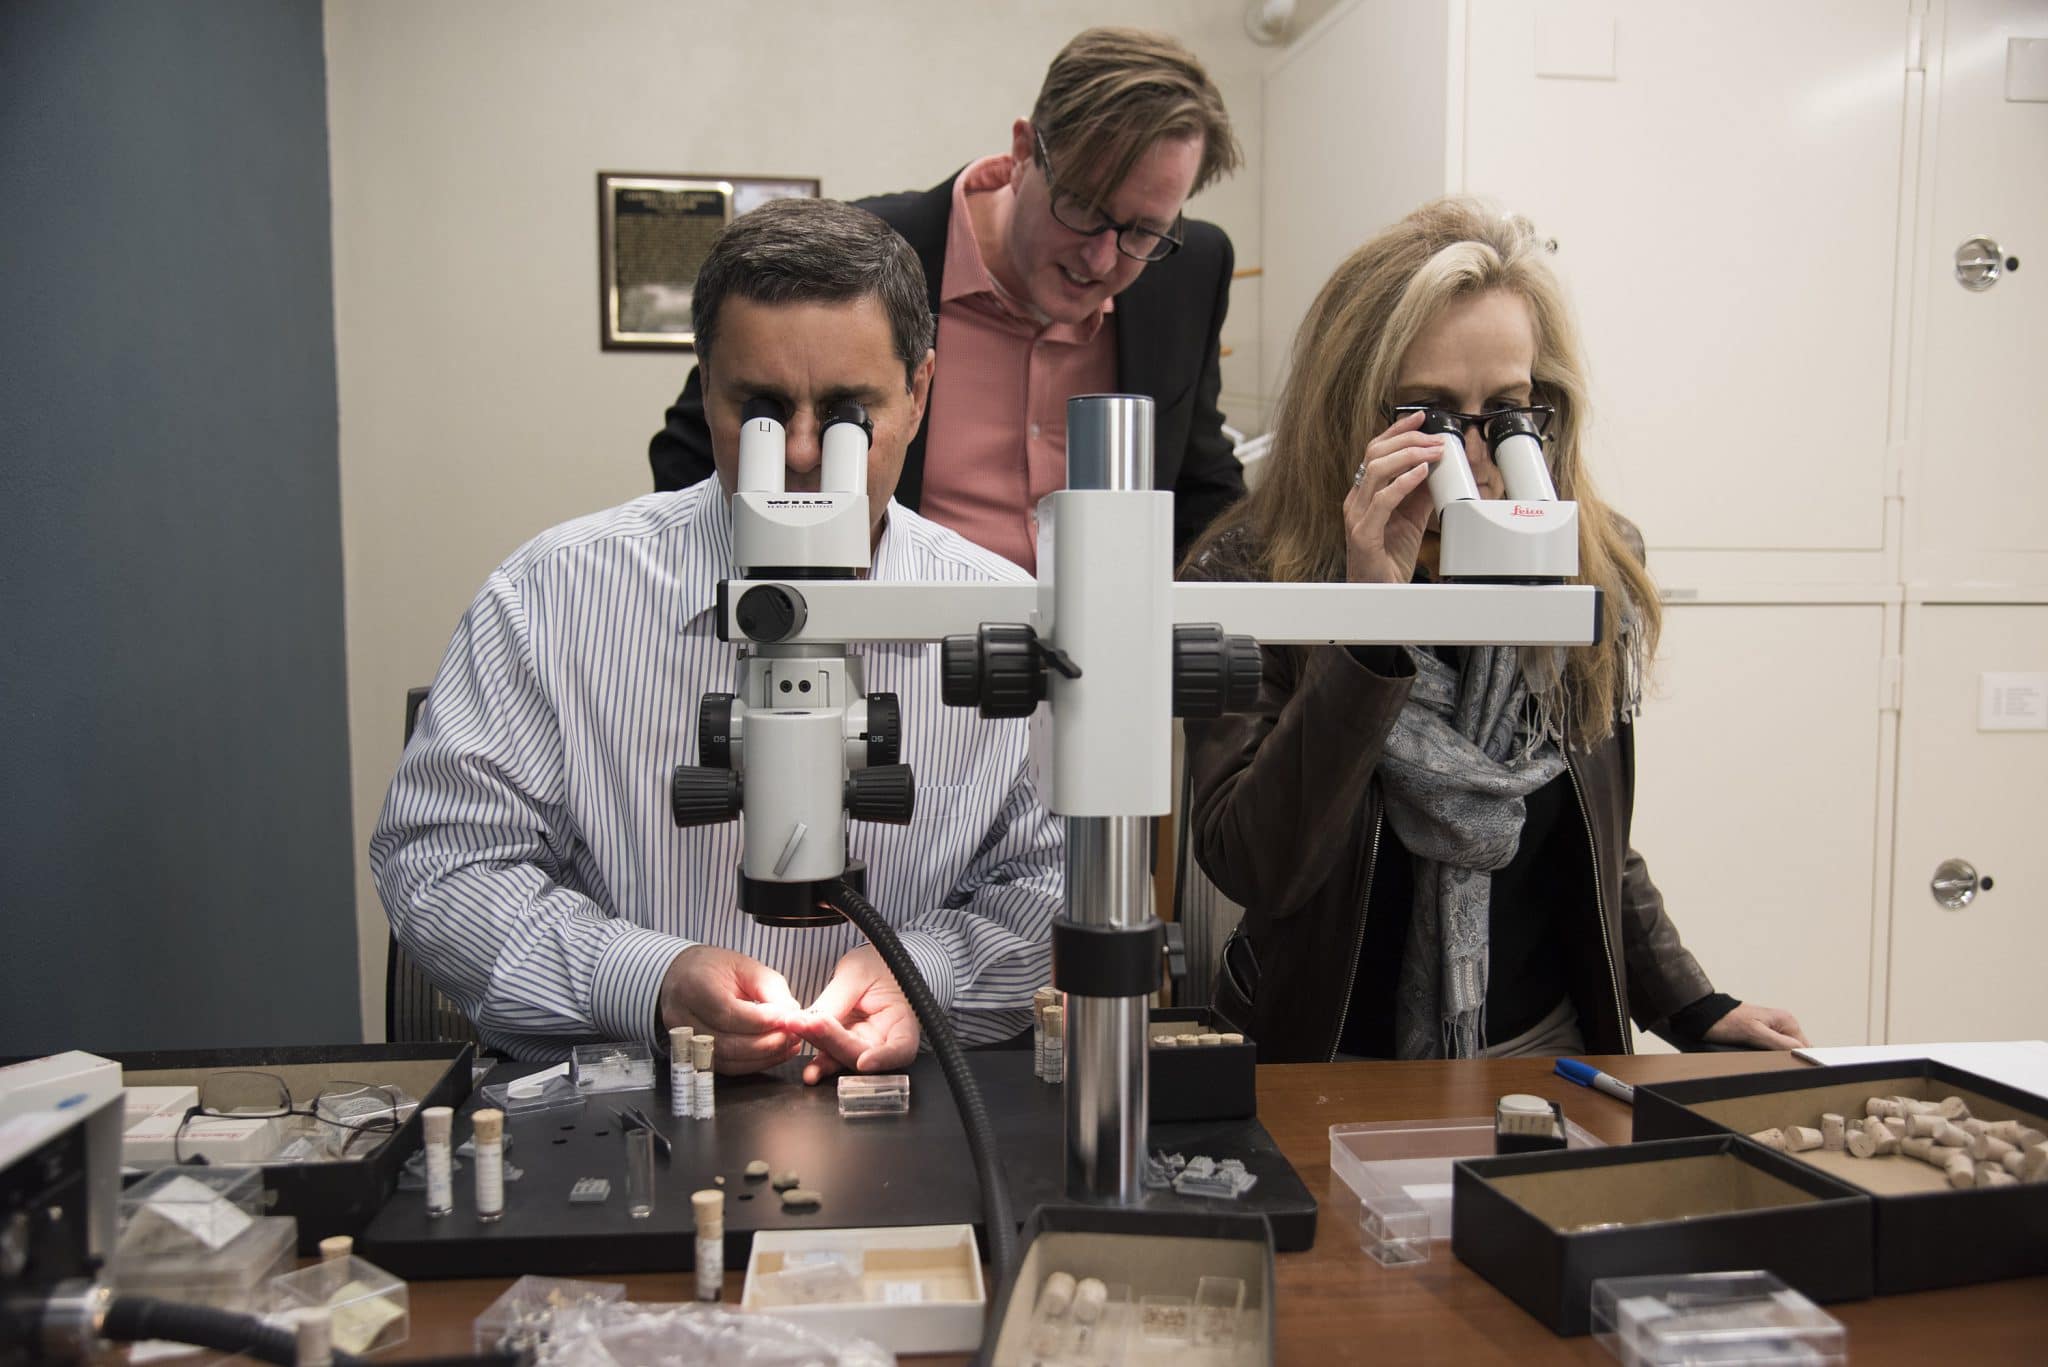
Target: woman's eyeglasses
(360, 1108)
(1541, 414)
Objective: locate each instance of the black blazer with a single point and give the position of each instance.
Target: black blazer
(1168, 325)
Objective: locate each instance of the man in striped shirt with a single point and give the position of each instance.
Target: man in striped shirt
(526, 854)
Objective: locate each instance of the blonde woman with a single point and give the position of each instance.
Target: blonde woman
(1432, 845)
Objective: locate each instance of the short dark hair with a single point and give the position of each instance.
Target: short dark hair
(815, 251)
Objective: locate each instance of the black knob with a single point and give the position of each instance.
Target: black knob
(883, 792)
(960, 671)
(885, 729)
(770, 612)
(714, 731)
(700, 796)
(1213, 673)
(999, 670)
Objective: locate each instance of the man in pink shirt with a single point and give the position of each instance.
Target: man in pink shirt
(1062, 266)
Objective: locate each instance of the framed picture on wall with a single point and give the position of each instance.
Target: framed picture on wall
(653, 231)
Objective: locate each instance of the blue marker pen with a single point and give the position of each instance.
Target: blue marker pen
(1586, 1075)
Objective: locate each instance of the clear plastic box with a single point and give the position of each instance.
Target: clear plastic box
(371, 1308)
(1713, 1317)
(883, 1094)
(521, 1319)
(1393, 1169)
(232, 1277)
(621, 1067)
(189, 1209)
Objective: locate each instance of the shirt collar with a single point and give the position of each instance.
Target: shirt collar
(967, 275)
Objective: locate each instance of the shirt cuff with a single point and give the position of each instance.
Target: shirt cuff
(934, 965)
(625, 992)
(1691, 1022)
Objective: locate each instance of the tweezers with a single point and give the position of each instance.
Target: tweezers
(634, 1116)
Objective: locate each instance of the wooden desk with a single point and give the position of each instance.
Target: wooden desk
(1338, 1306)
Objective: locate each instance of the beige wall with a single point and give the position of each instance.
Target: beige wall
(476, 406)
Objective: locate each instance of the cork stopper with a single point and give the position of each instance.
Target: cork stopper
(439, 1122)
(700, 1052)
(1056, 1021)
(313, 1329)
(489, 1124)
(335, 1247)
(1045, 996)
(708, 1206)
(679, 1041)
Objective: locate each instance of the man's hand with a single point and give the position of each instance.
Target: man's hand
(739, 1001)
(1758, 1027)
(860, 1021)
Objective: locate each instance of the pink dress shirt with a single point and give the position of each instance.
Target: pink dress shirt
(997, 436)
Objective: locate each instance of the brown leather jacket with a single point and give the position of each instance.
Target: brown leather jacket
(1287, 820)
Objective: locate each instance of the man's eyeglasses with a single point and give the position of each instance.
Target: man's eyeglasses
(1077, 215)
(357, 1108)
(1541, 414)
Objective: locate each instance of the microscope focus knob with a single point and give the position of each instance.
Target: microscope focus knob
(999, 670)
(1213, 673)
(714, 731)
(770, 613)
(885, 729)
(703, 796)
(882, 792)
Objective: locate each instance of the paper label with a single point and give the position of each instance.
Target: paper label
(2012, 702)
(360, 1314)
(200, 1211)
(901, 1293)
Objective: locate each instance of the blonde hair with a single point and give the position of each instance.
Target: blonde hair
(1113, 92)
(1346, 359)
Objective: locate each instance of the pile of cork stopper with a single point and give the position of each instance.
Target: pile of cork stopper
(1943, 1134)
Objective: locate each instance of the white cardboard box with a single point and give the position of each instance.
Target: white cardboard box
(922, 1285)
(144, 1102)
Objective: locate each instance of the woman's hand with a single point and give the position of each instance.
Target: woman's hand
(1758, 1027)
(1388, 507)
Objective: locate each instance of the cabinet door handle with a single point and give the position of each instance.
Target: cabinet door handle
(1979, 263)
(1956, 883)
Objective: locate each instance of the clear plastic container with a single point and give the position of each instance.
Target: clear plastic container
(883, 1094)
(521, 1319)
(1713, 1317)
(621, 1067)
(232, 1277)
(1398, 1166)
(1393, 1229)
(370, 1307)
(189, 1210)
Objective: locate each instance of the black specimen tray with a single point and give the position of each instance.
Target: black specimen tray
(909, 1169)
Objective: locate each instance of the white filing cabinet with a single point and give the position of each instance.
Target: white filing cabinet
(1757, 206)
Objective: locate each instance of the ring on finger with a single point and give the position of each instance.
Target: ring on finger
(1358, 476)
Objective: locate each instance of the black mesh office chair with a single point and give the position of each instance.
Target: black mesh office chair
(416, 1011)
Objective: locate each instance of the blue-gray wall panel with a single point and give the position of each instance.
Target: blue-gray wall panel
(174, 801)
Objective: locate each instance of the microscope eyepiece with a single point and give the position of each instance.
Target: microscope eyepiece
(1440, 422)
(1510, 424)
(761, 406)
(849, 410)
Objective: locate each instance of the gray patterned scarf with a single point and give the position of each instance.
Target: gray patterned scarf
(1466, 751)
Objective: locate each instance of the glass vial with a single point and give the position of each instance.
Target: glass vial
(682, 1073)
(709, 1208)
(1042, 998)
(1055, 1044)
(639, 1172)
(439, 1124)
(489, 1127)
(702, 1104)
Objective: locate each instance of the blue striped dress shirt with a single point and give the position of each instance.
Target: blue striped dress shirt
(526, 853)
